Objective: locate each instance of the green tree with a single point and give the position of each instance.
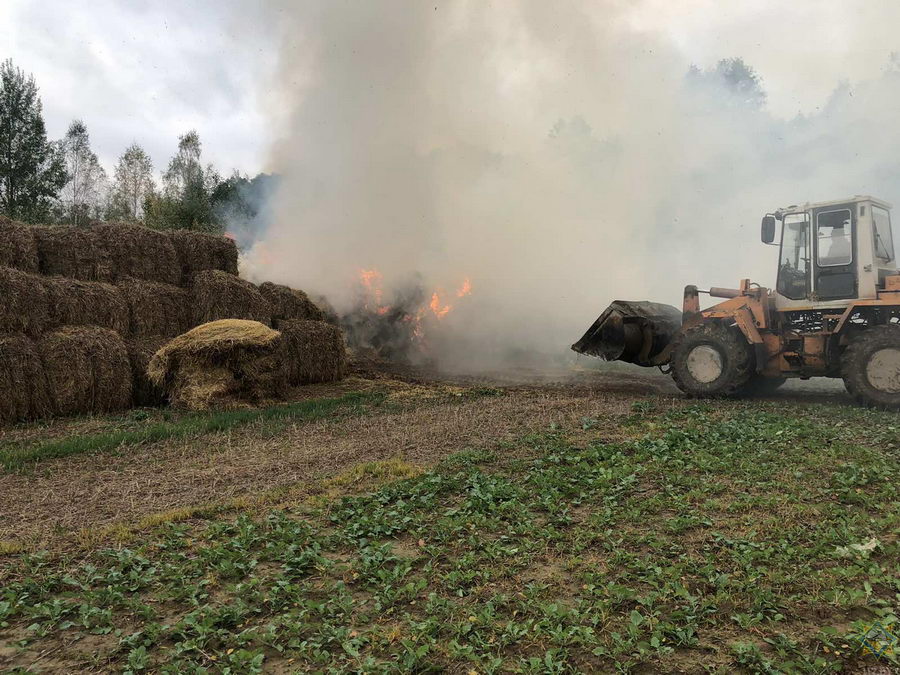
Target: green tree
(32, 169)
(83, 195)
(186, 199)
(732, 82)
(133, 183)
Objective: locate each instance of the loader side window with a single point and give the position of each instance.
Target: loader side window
(884, 242)
(793, 267)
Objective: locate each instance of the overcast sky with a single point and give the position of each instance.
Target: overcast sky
(148, 71)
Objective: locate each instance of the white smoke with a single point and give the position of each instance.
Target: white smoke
(552, 153)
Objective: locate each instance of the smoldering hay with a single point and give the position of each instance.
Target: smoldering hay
(553, 153)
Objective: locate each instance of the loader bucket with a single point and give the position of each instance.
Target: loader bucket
(635, 332)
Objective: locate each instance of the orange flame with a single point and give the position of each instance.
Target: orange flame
(465, 289)
(440, 311)
(371, 280)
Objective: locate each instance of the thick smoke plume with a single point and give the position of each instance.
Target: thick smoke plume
(547, 151)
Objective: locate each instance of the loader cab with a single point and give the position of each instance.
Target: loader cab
(832, 253)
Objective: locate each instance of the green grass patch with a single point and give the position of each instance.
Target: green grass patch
(17, 457)
(733, 538)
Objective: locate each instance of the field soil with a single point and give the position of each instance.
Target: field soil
(429, 415)
(405, 520)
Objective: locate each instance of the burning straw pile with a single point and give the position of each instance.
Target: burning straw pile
(85, 309)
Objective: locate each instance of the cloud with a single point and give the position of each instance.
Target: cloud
(148, 72)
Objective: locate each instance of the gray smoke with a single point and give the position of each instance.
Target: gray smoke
(548, 152)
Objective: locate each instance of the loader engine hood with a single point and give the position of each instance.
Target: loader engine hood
(634, 332)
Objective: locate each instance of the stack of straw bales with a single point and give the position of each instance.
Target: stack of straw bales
(85, 309)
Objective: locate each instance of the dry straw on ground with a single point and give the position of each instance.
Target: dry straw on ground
(156, 309)
(289, 303)
(222, 363)
(24, 393)
(24, 302)
(87, 370)
(86, 303)
(17, 246)
(312, 351)
(140, 350)
(69, 251)
(219, 295)
(139, 252)
(198, 251)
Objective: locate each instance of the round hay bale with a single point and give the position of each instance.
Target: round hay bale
(225, 362)
(219, 295)
(139, 252)
(24, 302)
(86, 303)
(288, 303)
(87, 370)
(312, 351)
(198, 251)
(24, 394)
(155, 308)
(69, 251)
(144, 393)
(17, 246)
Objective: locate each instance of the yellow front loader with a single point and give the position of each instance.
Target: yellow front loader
(834, 312)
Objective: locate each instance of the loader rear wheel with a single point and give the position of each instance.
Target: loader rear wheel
(870, 367)
(712, 361)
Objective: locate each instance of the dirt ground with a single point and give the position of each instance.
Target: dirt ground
(430, 417)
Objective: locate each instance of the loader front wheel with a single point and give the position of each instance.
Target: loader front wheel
(870, 367)
(711, 361)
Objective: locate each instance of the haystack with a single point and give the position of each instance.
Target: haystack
(224, 362)
(140, 351)
(139, 252)
(288, 303)
(156, 309)
(24, 302)
(312, 351)
(86, 303)
(70, 251)
(198, 251)
(87, 370)
(17, 246)
(24, 394)
(219, 295)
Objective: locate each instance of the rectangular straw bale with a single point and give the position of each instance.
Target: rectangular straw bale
(17, 246)
(24, 394)
(312, 351)
(220, 295)
(86, 303)
(289, 303)
(24, 302)
(138, 252)
(70, 251)
(199, 251)
(155, 308)
(88, 370)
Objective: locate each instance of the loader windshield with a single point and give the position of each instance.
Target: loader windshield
(793, 268)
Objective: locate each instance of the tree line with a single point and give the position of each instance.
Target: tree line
(63, 182)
